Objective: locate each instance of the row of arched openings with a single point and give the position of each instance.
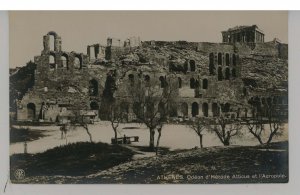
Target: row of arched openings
(195, 83)
(163, 81)
(195, 109)
(220, 59)
(64, 61)
(228, 74)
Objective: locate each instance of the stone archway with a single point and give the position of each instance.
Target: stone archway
(195, 109)
(31, 111)
(215, 109)
(184, 109)
(205, 109)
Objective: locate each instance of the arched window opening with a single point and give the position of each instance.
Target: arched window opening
(234, 59)
(233, 73)
(192, 83)
(192, 65)
(64, 61)
(147, 78)
(93, 87)
(205, 109)
(215, 110)
(179, 82)
(211, 70)
(219, 58)
(226, 107)
(31, 111)
(185, 67)
(195, 109)
(184, 109)
(220, 74)
(211, 59)
(162, 82)
(257, 103)
(77, 62)
(52, 63)
(211, 64)
(94, 106)
(227, 59)
(172, 109)
(205, 84)
(131, 79)
(227, 74)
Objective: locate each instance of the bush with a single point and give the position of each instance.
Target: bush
(74, 159)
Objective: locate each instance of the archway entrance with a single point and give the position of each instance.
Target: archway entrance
(184, 109)
(215, 109)
(93, 87)
(205, 109)
(195, 109)
(31, 111)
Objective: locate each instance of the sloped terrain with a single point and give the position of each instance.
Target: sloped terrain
(234, 164)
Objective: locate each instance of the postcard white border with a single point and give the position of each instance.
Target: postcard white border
(294, 134)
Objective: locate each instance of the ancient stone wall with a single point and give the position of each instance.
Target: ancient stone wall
(210, 77)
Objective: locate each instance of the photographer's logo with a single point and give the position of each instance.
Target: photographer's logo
(19, 174)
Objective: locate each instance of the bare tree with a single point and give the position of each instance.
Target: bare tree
(265, 115)
(198, 126)
(116, 116)
(150, 105)
(159, 128)
(226, 128)
(78, 115)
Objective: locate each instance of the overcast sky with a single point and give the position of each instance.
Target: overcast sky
(81, 28)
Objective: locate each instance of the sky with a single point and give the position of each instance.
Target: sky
(81, 28)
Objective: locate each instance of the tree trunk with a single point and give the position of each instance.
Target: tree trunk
(116, 136)
(151, 144)
(88, 132)
(226, 143)
(270, 138)
(257, 137)
(259, 140)
(201, 136)
(157, 143)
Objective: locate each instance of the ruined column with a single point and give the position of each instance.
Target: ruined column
(200, 110)
(46, 40)
(92, 52)
(189, 110)
(210, 113)
(57, 44)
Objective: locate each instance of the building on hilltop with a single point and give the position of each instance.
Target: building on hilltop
(243, 34)
(211, 78)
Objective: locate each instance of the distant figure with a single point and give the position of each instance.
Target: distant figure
(124, 139)
(64, 129)
(25, 147)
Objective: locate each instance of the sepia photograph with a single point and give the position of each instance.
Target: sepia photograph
(148, 97)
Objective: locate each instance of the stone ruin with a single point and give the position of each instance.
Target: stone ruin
(211, 77)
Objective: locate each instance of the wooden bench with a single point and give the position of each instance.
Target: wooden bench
(125, 140)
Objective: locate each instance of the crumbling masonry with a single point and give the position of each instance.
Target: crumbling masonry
(211, 77)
